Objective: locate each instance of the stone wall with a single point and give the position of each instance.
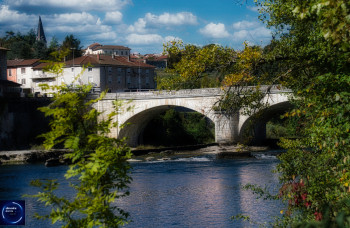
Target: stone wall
(21, 122)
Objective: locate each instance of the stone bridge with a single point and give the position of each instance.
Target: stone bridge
(147, 105)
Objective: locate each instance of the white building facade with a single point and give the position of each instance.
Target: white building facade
(112, 50)
(114, 74)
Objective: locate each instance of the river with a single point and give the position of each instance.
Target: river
(197, 191)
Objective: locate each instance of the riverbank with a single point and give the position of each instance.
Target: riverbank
(221, 151)
(56, 157)
(30, 156)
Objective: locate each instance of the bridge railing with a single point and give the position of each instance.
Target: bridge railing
(186, 93)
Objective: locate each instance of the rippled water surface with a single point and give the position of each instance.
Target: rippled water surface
(184, 192)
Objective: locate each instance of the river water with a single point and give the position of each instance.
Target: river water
(197, 191)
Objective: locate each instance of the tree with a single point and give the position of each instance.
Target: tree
(99, 172)
(24, 46)
(195, 67)
(312, 50)
(72, 43)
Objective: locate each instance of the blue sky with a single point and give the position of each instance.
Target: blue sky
(142, 25)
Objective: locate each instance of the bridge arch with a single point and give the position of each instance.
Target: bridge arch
(256, 123)
(137, 123)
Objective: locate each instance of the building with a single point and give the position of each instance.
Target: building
(21, 72)
(7, 88)
(114, 74)
(3, 63)
(112, 50)
(41, 77)
(159, 61)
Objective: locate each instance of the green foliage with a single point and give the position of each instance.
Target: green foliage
(25, 46)
(283, 127)
(195, 67)
(99, 172)
(71, 42)
(173, 128)
(311, 52)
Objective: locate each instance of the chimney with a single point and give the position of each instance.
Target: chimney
(98, 56)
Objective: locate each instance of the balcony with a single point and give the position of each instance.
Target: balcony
(42, 76)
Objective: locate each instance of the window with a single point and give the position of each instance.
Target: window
(128, 79)
(122, 53)
(119, 70)
(23, 81)
(128, 70)
(109, 69)
(119, 79)
(147, 71)
(23, 70)
(89, 69)
(147, 80)
(9, 72)
(109, 79)
(72, 69)
(140, 71)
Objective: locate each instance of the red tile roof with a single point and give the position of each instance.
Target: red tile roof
(22, 62)
(91, 46)
(105, 60)
(132, 63)
(40, 66)
(111, 47)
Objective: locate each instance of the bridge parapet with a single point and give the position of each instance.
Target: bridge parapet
(185, 93)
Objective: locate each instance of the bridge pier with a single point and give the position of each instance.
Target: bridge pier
(226, 128)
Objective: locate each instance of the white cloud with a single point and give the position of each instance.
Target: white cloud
(254, 8)
(246, 24)
(251, 31)
(145, 39)
(138, 27)
(73, 5)
(167, 19)
(104, 36)
(241, 35)
(172, 38)
(114, 17)
(74, 18)
(214, 31)
(8, 16)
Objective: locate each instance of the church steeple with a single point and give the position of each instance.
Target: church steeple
(40, 35)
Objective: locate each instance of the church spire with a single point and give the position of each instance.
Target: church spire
(40, 35)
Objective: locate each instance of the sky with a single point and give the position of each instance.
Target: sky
(142, 25)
